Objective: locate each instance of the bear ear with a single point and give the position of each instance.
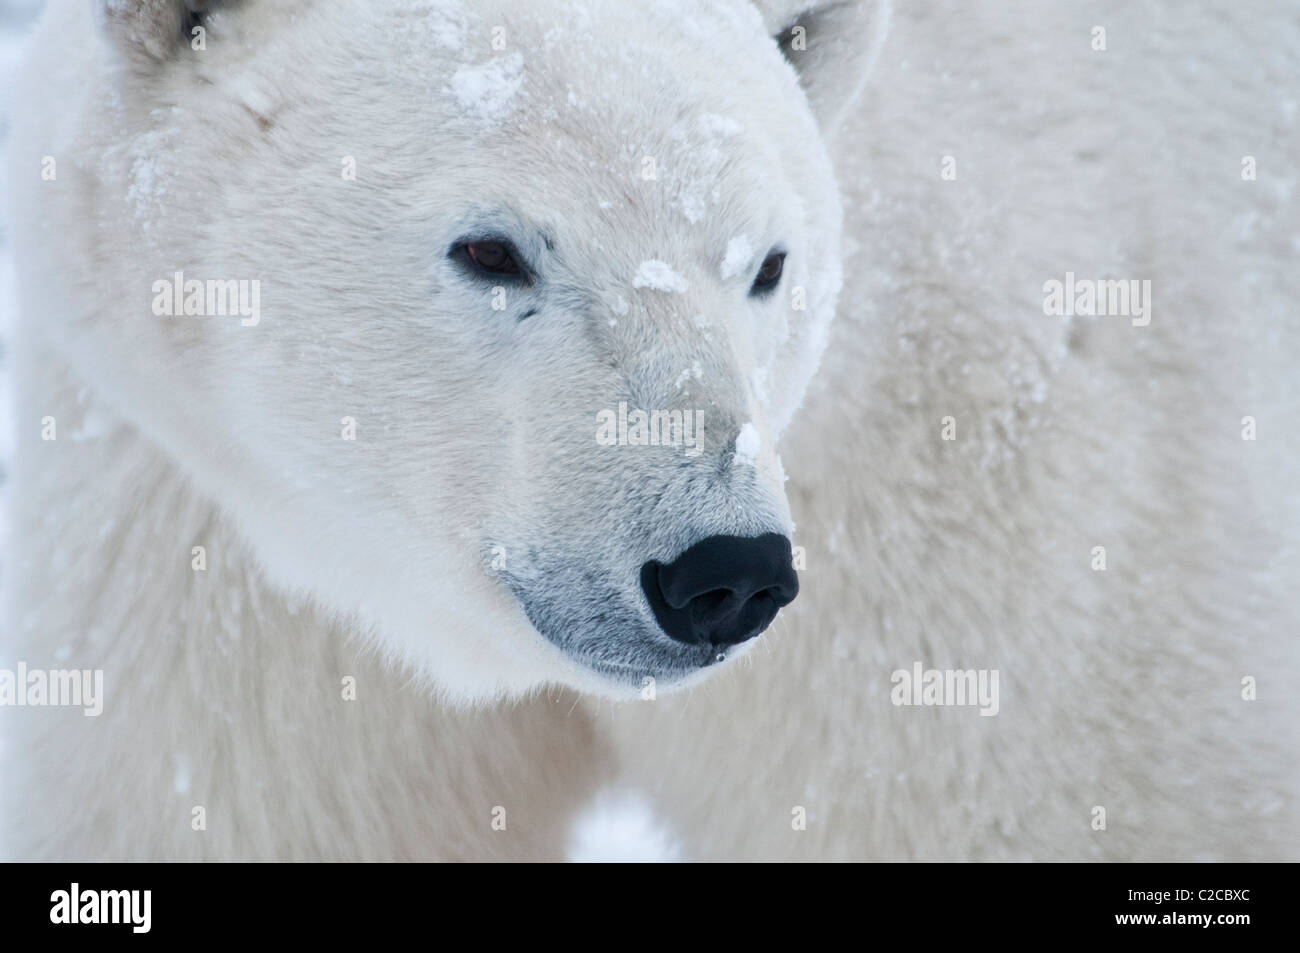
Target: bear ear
(149, 32)
(832, 44)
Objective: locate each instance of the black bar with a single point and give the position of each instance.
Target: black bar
(214, 902)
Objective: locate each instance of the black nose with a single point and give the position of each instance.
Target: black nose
(723, 590)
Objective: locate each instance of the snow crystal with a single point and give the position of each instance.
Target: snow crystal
(740, 252)
(747, 445)
(487, 92)
(658, 276)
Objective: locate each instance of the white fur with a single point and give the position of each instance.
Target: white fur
(373, 558)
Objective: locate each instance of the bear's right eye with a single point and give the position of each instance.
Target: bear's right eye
(490, 257)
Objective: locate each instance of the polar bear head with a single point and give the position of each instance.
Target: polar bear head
(529, 293)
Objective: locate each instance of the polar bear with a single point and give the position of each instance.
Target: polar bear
(1081, 504)
(387, 372)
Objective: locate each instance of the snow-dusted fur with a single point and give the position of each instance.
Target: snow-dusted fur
(475, 499)
(475, 535)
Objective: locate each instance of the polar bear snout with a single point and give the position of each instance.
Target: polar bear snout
(723, 590)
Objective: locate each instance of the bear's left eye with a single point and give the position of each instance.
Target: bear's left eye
(769, 273)
(490, 257)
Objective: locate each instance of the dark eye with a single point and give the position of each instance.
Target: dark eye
(491, 257)
(769, 273)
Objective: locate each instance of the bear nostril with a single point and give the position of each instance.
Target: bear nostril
(722, 590)
(710, 603)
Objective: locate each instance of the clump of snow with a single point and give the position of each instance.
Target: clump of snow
(487, 92)
(620, 828)
(740, 252)
(692, 201)
(747, 445)
(153, 167)
(711, 124)
(658, 276)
